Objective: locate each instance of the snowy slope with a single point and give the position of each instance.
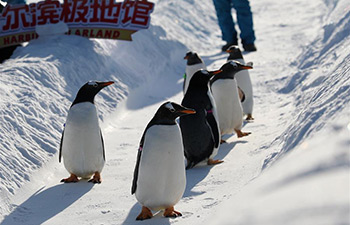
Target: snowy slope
(301, 85)
(39, 84)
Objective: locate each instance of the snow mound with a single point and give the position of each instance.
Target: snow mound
(41, 79)
(306, 179)
(322, 84)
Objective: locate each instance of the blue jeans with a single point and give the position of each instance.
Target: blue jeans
(244, 20)
(14, 2)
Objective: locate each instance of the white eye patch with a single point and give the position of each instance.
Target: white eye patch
(170, 107)
(92, 83)
(205, 72)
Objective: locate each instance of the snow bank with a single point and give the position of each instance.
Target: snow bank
(321, 86)
(306, 179)
(40, 81)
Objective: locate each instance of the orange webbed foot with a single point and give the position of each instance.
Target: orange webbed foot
(72, 179)
(242, 134)
(145, 214)
(170, 212)
(214, 162)
(96, 178)
(222, 141)
(249, 117)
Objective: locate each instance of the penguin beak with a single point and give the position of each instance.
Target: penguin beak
(186, 57)
(105, 84)
(184, 111)
(212, 73)
(247, 67)
(188, 111)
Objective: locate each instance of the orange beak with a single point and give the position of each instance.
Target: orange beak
(188, 111)
(104, 84)
(215, 72)
(247, 67)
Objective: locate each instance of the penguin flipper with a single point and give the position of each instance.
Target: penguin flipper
(241, 94)
(136, 172)
(190, 164)
(213, 128)
(103, 146)
(60, 151)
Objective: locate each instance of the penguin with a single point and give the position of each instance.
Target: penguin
(243, 81)
(200, 132)
(159, 176)
(194, 63)
(225, 93)
(82, 147)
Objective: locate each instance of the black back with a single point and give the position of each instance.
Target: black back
(193, 58)
(199, 131)
(88, 92)
(229, 70)
(235, 53)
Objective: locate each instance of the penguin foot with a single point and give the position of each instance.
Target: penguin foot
(222, 141)
(242, 134)
(170, 212)
(214, 162)
(249, 117)
(145, 214)
(72, 179)
(96, 179)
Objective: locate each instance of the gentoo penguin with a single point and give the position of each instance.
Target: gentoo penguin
(82, 145)
(225, 92)
(159, 176)
(200, 132)
(194, 63)
(243, 81)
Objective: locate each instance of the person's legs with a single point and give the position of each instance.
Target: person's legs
(6, 52)
(224, 15)
(244, 20)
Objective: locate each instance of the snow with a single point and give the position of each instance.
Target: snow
(292, 169)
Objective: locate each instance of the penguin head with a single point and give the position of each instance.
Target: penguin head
(88, 91)
(235, 52)
(235, 66)
(169, 111)
(201, 78)
(193, 58)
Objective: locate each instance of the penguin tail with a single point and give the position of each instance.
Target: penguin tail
(190, 164)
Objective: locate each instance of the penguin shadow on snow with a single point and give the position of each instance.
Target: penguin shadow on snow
(193, 177)
(200, 172)
(47, 203)
(157, 219)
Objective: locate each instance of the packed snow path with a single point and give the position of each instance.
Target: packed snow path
(283, 29)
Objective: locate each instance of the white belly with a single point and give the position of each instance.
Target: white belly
(190, 70)
(82, 149)
(244, 82)
(228, 105)
(161, 180)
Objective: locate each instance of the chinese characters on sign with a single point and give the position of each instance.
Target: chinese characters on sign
(89, 18)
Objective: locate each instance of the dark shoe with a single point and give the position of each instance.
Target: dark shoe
(225, 47)
(249, 47)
